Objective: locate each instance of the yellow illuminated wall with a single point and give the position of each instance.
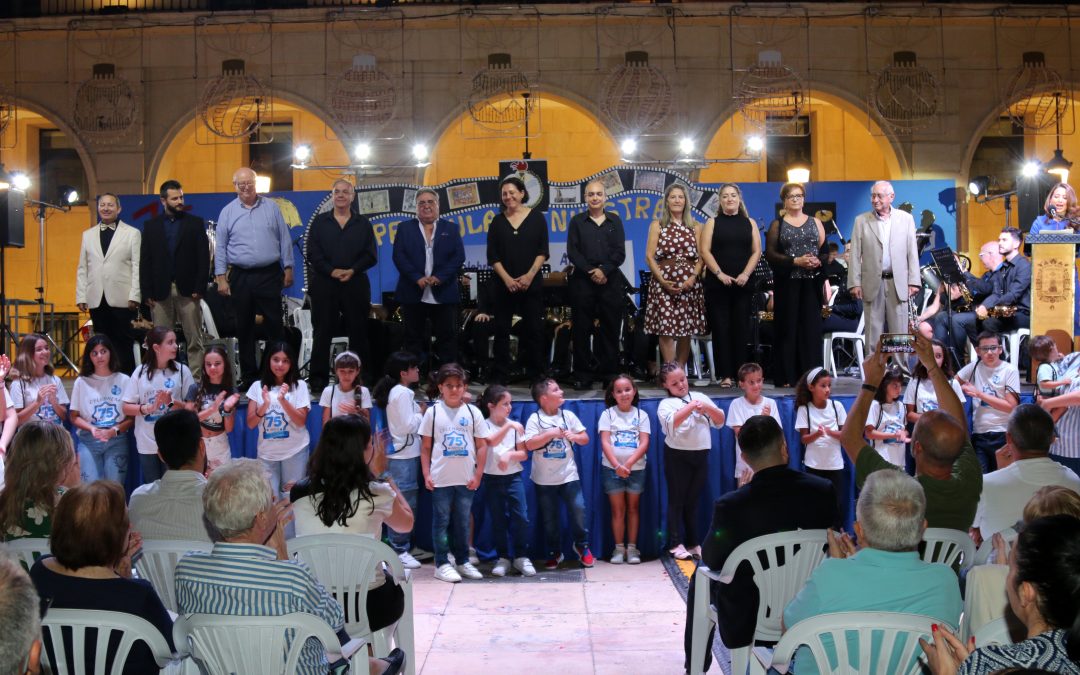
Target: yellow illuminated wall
(569, 137)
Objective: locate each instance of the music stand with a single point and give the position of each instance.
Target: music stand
(950, 274)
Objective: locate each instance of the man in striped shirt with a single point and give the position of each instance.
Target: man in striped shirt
(249, 572)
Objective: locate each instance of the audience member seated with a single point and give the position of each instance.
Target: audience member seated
(1005, 491)
(777, 499)
(248, 528)
(1044, 575)
(984, 591)
(885, 573)
(945, 462)
(341, 495)
(42, 457)
(20, 641)
(172, 507)
(90, 567)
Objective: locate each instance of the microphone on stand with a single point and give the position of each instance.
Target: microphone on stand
(1053, 212)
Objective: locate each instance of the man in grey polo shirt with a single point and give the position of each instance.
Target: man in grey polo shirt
(254, 250)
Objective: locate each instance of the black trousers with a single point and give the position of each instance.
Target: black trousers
(728, 311)
(416, 317)
(115, 322)
(685, 472)
(529, 305)
(592, 303)
(255, 291)
(836, 477)
(331, 302)
(797, 328)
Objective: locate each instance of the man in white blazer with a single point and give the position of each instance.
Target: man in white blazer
(883, 270)
(107, 279)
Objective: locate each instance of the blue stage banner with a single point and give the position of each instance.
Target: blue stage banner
(635, 194)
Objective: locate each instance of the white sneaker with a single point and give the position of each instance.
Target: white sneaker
(420, 554)
(633, 555)
(409, 562)
(447, 573)
(473, 558)
(525, 566)
(450, 557)
(680, 553)
(502, 566)
(618, 557)
(468, 571)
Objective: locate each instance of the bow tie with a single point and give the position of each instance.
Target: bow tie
(104, 227)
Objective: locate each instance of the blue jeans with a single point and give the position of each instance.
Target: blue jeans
(152, 468)
(986, 444)
(103, 459)
(548, 497)
(450, 508)
(405, 473)
(503, 492)
(285, 471)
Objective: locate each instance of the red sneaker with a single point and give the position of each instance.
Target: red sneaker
(585, 555)
(553, 563)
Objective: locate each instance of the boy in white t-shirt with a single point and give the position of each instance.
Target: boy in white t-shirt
(994, 387)
(751, 380)
(1049, 378)
(550, 434)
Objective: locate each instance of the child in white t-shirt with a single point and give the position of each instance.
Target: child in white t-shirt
(214, 398)
(550, 434)
(155, 387)
(885, 427)
(278, 404)
(348, 396)
(920, 397)
(1049, 378)
(97, 413)
(453, 452)
(624, 440)
(819, 420)
(503, 483)
(751, 380)
(37, 393)
(994, 387)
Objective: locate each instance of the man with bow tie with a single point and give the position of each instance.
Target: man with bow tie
(107, 278)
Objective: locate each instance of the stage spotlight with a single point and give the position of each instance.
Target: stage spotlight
(301, 154)
(362, 152)
(68, 195)
(755, 144)
(686, 146)
(420, 152)
(628, 147)
(1030, 169)
(979, 185)
(20, 181)
(262, 184)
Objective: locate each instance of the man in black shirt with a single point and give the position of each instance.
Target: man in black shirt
(596, 246)
(340, 250)
(175, 270)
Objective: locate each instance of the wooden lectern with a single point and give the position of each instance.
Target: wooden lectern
(1053, 281)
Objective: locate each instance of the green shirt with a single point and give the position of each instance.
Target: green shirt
(950, 503)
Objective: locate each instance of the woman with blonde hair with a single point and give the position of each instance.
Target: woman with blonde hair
(1059, 209)
(43, 458)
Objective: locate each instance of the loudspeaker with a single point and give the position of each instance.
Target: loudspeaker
(1030, 196)
(12, 229)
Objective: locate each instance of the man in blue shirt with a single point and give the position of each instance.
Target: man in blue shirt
(253, 261)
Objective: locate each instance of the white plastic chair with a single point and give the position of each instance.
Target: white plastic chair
(208, 323)
(885, 640)
(345, 564)
(27, 550)
(158, 565)
(994, 633)
(1012, 343)
(944, 545)
(777, 584)
(77, 622)
(261, 645)
(828, 341)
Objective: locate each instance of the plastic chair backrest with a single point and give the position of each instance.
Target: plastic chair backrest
(158, 565)
(789, 559)
(888, 642)
(66, 654)
(259, 645)
(952, 547)
(345, 565)
(27, 550)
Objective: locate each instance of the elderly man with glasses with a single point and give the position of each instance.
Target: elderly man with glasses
(253, 261)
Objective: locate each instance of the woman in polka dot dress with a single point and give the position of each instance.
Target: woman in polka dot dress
(675, 307)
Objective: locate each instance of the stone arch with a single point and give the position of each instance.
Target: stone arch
(56, 119)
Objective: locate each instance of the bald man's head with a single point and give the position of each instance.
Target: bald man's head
(941, 438)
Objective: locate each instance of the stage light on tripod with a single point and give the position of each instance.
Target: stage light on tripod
(20, 181)
(755, 144)
(1030, 169)
(262, 184)
(362, 152)
(301, 154)
(68, 195)
(979, 185)
(628, 147)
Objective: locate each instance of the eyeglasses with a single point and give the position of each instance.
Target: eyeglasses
(244, 184)
(797, 198)
(987, 350)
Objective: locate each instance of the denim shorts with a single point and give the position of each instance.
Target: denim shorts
(614, 484)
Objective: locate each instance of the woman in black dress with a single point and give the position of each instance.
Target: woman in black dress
(517, 245)
(730, 246)
(792, 247)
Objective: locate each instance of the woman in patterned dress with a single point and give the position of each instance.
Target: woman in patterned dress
(675, 307)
